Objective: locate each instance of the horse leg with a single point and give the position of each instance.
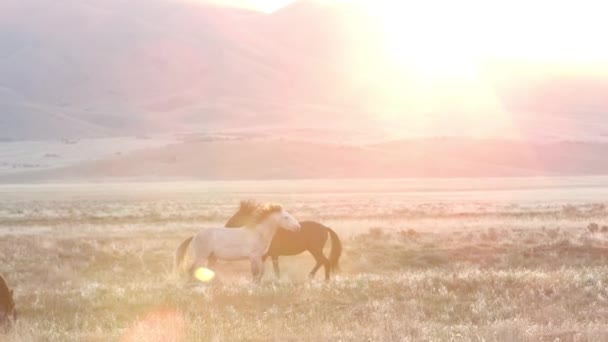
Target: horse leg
(211, 261)
(275, 266)
(200, 260)
(321, 261)
(327, 266)
(317, 265)
(257, 269)
(254, 270)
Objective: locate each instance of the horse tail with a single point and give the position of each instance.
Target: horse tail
(336, 250)
(180, 252)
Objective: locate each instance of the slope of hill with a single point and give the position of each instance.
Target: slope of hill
(115, 66)
(26, 156)
(90, 68)
(285, 159)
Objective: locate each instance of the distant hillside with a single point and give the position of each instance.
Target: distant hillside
(277, 159)
(93, 68)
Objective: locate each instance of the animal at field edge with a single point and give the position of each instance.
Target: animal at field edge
(250, 242)
(311, 237)
(8, 313)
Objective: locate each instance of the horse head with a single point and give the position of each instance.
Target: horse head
(280, 216)
(288, 222)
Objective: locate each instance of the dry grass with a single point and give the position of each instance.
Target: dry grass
(98, 269)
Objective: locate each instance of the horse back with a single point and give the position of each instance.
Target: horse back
(314, 233)
(222, 241)
(312, 236)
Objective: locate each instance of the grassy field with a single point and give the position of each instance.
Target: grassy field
(483, 260)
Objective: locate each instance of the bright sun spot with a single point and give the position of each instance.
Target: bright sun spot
(269, 6)
(452, 38)
(266, 6)
(428, 43)
(204, 274)
(422, 59)
(441, 38)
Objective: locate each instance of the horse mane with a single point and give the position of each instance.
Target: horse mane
(258, 212)
(248, 207)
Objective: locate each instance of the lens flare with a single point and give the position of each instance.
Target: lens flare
(158, 326)
(204, 274)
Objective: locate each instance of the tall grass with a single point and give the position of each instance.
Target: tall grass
(100, 270)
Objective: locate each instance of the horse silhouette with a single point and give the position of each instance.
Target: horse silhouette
(8, 313)
(311, 237)
(251, 242)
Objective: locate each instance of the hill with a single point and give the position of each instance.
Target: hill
(89, 68)
(263, 158)
(75, 69)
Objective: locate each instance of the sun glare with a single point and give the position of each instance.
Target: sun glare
(428, 43)
(454, 37)
(204, 274)
(421, 59)
(269, 6)
(441, 38)
(441, 56)
(265, 6)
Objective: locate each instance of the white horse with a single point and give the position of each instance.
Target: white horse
(250, 242)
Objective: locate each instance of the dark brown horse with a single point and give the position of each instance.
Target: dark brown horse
(8, 313)
(311, 237)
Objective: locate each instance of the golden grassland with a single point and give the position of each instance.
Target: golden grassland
(96, 266)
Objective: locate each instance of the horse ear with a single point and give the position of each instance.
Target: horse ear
(10, 292)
